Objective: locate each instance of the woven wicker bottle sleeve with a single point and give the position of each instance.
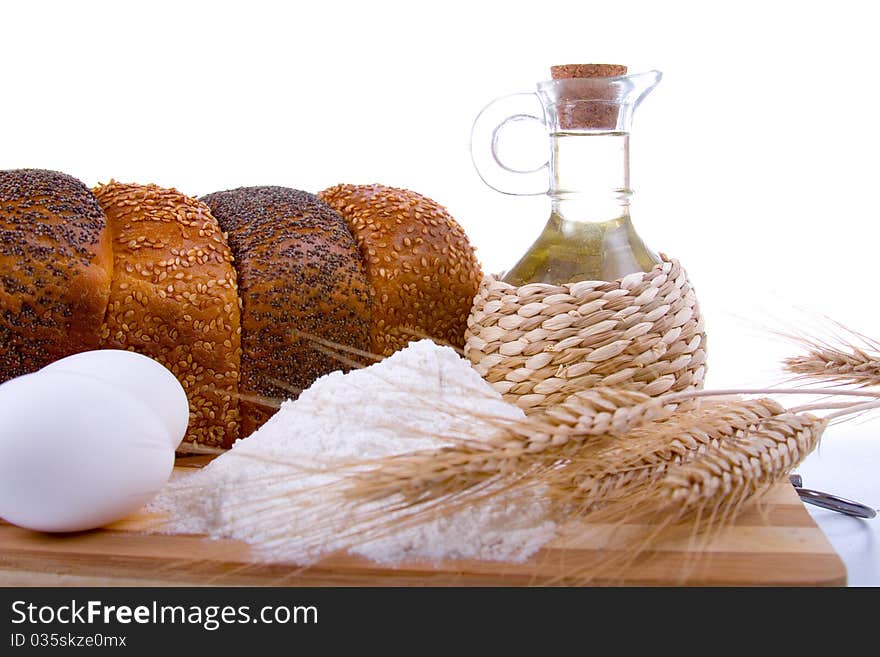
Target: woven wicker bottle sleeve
(538, 343)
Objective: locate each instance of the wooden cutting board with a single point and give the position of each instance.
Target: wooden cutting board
(776, 544)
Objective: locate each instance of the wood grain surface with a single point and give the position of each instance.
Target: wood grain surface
(774, 544)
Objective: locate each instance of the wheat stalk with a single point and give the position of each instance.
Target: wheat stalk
(606, 411)
(648, 453)
(595, 443)
(724, 452)
(847, 357)
(857, 367)
(581, 469)
(700, 464)
(587, 419)
(705, 492)
(734, 470)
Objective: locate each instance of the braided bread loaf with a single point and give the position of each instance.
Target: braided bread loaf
(237, 294)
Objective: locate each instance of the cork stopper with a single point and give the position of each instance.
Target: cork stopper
(564, 71)
(587, 104)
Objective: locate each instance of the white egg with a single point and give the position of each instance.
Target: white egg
(76, 452)
(143, 377)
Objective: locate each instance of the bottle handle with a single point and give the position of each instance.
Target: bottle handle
(486, 135)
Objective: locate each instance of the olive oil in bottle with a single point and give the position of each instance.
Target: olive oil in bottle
(571, 251)
(589, 235)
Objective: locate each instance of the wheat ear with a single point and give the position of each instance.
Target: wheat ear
(846, 357)
(646, 454)
(738, 469)
(592, 417)
(700, 496)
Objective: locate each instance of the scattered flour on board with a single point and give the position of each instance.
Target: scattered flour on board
(274, 489)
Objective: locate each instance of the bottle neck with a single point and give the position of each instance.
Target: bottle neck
(589, 181)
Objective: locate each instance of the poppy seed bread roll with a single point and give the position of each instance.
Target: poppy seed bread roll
(174, 298)
(55, 265)
(299, 275)
(421, 267)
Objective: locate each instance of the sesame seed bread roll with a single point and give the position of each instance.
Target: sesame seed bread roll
(299, 274)
(174, 298)
(421, 267)
(55, 267)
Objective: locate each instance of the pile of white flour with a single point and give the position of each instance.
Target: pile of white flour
(275, 489)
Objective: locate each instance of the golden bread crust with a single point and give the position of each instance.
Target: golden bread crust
(421, 267)
(174, 298)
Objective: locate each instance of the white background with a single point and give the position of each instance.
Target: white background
(754, 161)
